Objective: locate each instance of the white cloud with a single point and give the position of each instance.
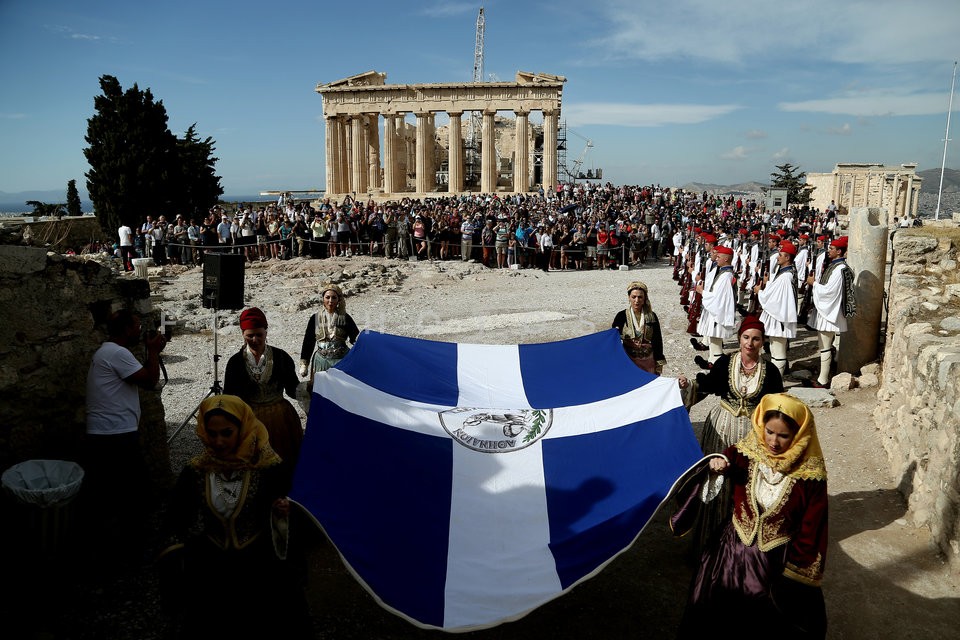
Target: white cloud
(83, 36)
(642, 115)
(739, 152)
(882, 102)
(783, 153)
(844, 130)
(12, 116)
(448, 9)
(756, 134)
(882, 32)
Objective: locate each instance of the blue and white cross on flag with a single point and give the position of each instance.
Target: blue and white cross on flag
(465, 485)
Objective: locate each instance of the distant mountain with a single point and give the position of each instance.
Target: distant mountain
(741, 188)
(931, 180)
(50, 196)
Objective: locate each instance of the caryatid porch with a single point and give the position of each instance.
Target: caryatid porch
(353, 106)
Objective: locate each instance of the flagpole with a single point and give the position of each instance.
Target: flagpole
(946, 139)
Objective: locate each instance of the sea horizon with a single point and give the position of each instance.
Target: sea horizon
(13, 208)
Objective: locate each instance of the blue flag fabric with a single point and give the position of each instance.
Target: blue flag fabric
(465, 485)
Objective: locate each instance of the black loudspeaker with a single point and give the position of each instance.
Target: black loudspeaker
(223, 280)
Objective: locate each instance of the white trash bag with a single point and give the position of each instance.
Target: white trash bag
(45, 483)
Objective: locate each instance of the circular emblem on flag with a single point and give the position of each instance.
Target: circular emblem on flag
(496, 430)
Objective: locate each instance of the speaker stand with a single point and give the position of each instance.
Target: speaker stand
(215, 388)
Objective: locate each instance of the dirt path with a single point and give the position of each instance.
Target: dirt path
(883, 580)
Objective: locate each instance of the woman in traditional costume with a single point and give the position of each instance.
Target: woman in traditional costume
(327, 334)
(226, 529)
(765, 566)
(259, 374)
(639, 329)
(741, 380)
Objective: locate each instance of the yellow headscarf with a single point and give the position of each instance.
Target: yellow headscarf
(804, 458)
(253, 449)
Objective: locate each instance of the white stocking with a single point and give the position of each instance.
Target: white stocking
(825, 339)
(716, 349)
(778, 353)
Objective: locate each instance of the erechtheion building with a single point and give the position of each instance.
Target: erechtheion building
(852, 184)
(357, 160)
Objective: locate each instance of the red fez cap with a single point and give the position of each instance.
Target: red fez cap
(709, 237)
(822, 238)
(840, 242)
(782, 233)
(725, 250)
(804, 236)
(750, 322)
(788, 247)
(755, 232)
(252, 318)
(742, 232)
(697, 229)
(773, 236)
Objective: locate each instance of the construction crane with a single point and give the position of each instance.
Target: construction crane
(476, 118)
(574, 173)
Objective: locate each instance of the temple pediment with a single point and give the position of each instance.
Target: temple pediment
(367, 79)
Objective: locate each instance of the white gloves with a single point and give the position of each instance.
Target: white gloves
(303, 369)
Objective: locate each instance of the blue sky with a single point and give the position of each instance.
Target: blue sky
(669, 92)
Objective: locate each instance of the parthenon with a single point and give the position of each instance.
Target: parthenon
(352, 109)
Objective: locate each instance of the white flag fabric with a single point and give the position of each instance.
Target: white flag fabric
(465, 485)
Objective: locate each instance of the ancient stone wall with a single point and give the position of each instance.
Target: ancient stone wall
(68, 233)
(52, 310)
(919, 399)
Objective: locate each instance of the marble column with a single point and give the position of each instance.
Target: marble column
(343, 169)
(550, 125)
(389, 150)
(896, 196)
(331, 155)
(521, 158)
(349, 183)
(373, 148)
(424, 151)
(867, 258)
(402, 153)
(455, 156)
(908, 205)
(407, 155)
(488, 153)
(357, 158)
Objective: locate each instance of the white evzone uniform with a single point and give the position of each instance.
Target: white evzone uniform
(802, 263)
(830, 320)
(749, 273)
(818, 265)
(779, 301)
(718, 317)
(708, 276)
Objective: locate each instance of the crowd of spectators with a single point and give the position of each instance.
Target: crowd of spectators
(580, 226)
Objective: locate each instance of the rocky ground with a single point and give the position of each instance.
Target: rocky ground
(882, 579)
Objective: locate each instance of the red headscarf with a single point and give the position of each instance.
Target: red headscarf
(252, 318)
(750, 322)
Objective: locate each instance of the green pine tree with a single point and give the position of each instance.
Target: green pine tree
(73, 200)
(137, 166)
(786, 177)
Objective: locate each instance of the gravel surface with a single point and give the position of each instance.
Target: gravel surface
(883, 579)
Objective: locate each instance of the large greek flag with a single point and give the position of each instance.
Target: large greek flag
(464, 485)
